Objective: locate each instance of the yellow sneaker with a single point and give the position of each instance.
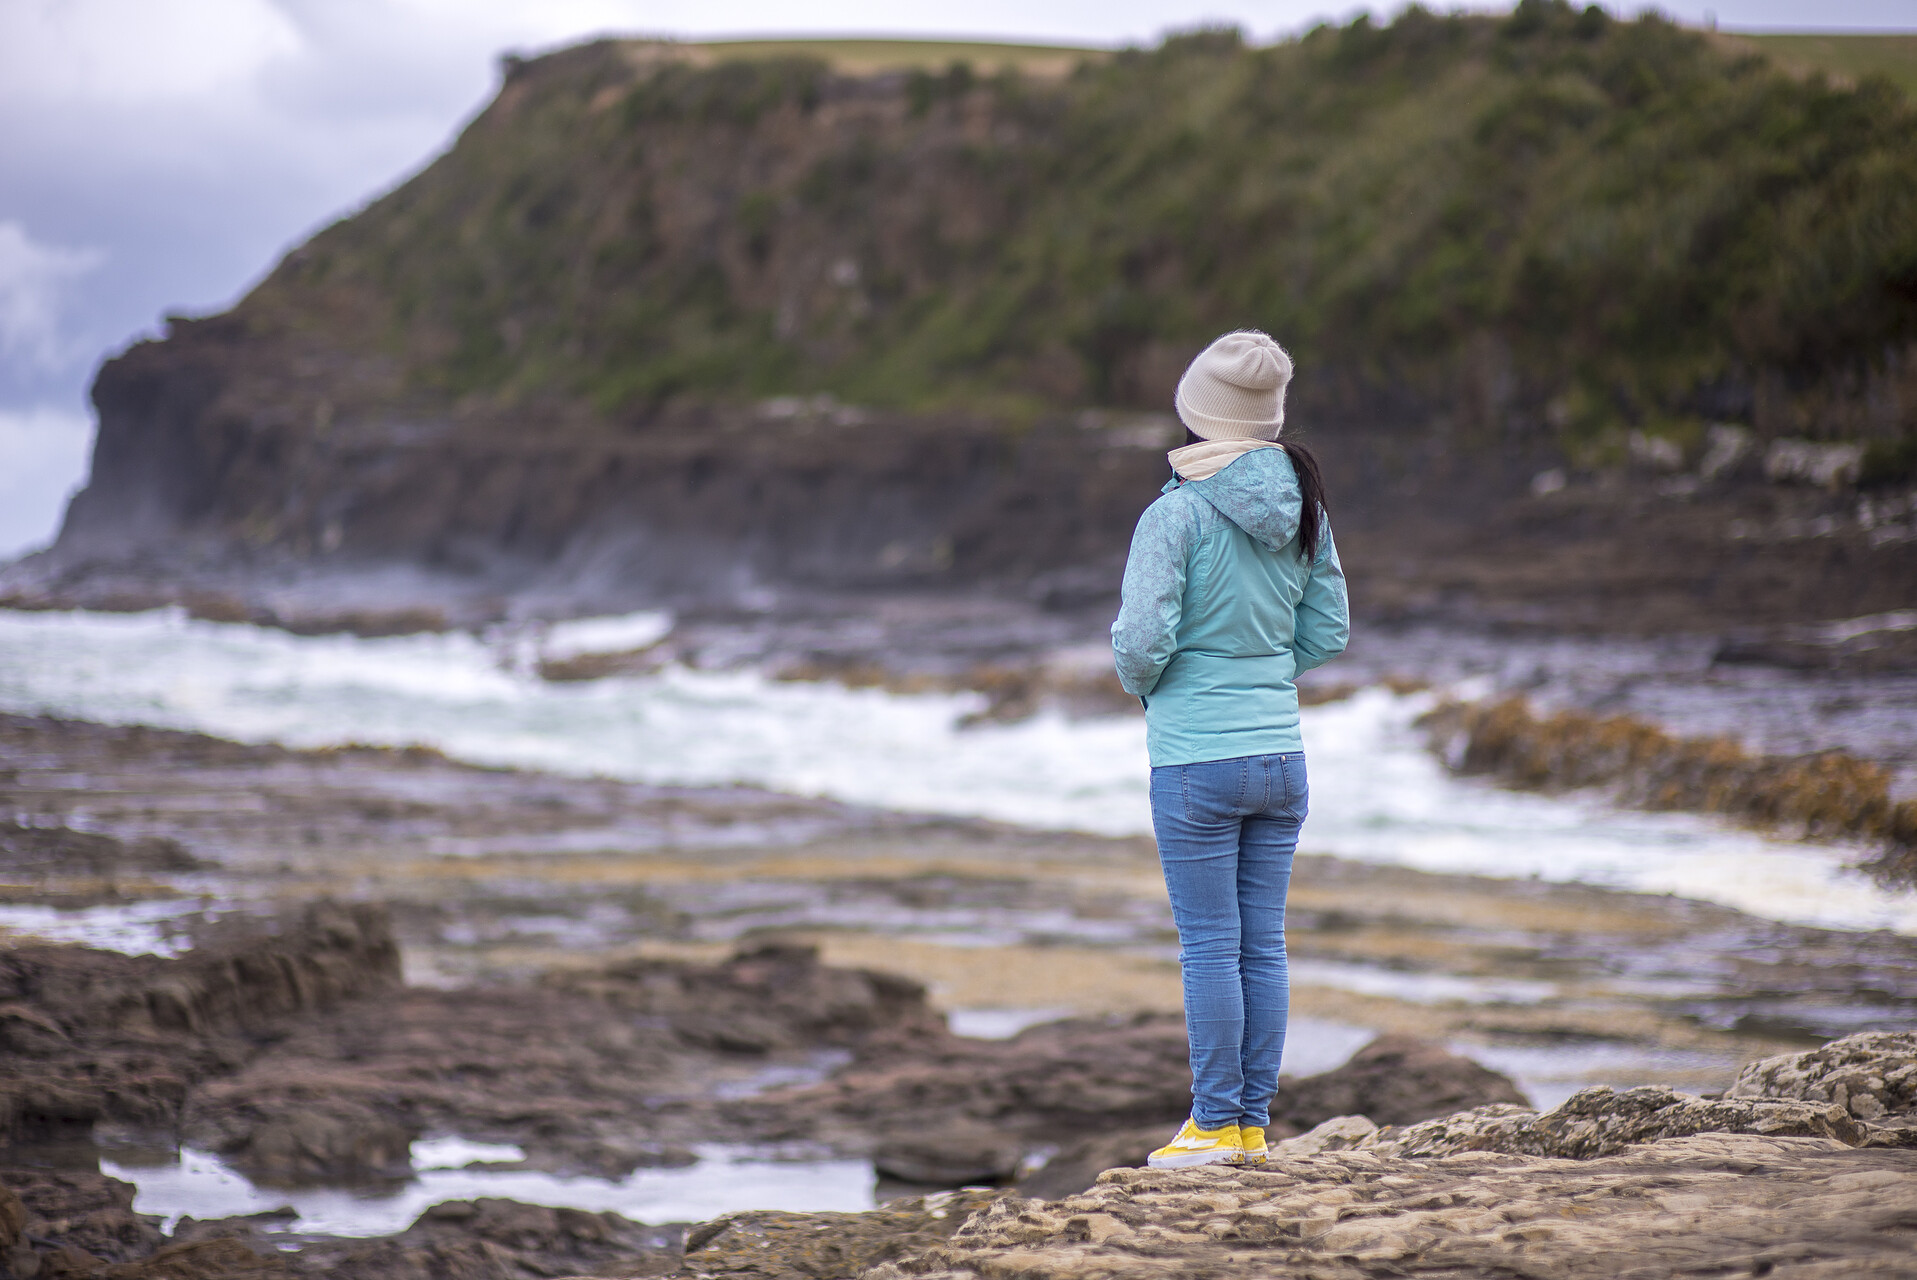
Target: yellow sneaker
(1194, 1146)
(1252, 1138)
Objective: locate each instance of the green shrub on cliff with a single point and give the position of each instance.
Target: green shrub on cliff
(1552, 216)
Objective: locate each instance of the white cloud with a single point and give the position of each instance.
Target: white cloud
(136, 51)
(32, 279)
(44, 449)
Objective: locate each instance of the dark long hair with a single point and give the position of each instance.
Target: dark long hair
(1311, 492)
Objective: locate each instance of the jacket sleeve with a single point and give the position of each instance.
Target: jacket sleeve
(1145, 635)
(1324, 614)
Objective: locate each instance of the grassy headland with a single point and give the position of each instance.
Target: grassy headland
(1551, 222)
(835, 311)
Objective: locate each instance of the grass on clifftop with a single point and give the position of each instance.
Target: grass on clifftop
(1847, 55)
(1549, 221)
(863, 57)
(1850, 56)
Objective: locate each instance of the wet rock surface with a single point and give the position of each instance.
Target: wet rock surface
(301, 1059)
(79, 1224)
(31, 856)
(486, 1238)
(85, 1215)
(828, 1246)
(1093, 1095)
(269, 1055)
(605, 975)
(99, 1037)
(1825, 793)
(596, 1073)
(495, 877)
(262, 1053)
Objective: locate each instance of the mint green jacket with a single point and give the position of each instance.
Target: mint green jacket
(1221, 613)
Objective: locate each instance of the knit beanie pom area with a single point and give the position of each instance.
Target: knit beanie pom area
(1235, 388)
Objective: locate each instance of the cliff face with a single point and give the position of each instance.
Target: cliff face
(600, 339)
(696, 501)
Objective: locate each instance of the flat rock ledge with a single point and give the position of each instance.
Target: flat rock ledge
(1722, 1205)
(1710, 1204)
(1820, 1183)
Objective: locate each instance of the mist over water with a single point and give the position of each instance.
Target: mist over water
(1377, 793)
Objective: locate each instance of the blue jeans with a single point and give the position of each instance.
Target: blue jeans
(1227, 830)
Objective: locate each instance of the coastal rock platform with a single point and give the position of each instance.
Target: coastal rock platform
(1718, 1204)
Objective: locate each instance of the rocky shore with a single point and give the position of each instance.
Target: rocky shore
(347, 956)
(1807, 1168)
(298, 1057)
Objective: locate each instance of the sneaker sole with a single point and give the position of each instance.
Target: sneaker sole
(1195, 1158)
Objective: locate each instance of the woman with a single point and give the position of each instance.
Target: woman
(1233, 587)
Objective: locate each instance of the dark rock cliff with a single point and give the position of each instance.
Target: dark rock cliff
(605, 350)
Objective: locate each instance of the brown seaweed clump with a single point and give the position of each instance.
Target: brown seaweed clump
(1827, 794)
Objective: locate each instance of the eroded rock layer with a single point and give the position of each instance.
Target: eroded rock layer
(1720, 1204)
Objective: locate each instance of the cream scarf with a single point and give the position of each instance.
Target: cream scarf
(1207, 458)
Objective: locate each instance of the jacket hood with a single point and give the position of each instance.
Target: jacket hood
(1258, 492)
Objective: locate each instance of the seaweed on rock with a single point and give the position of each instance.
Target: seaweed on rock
(1828, 794)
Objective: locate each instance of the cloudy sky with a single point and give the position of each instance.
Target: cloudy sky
(159, 155)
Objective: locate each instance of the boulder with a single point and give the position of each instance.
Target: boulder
(1393, 1080)
(957, 1155)
(776, 996)
(1097, 1088)
(1600, 1121)
(220, 1259)
(313, 1145)
(1103, 1093)
(486, 1238)
(1872, 1075)
(70, 1219)
(1340, 1133)
(1077, 1165)
(89, 1036)
(827, 1246)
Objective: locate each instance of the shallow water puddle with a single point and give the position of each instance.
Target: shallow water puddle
(999, 1024)
(725, 1180)
(135, 928)
(1548, 1074)
(1418, 987)
(1316, 1045)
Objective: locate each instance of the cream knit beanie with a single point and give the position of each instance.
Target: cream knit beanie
(1235, 388)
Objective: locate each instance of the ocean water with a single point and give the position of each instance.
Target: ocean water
(1377, 793)
(724, 1180)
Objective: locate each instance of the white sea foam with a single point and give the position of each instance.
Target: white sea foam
(1377, 794)
(136, 928)
(622, 634)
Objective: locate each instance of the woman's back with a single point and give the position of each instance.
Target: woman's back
(1222, 611)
